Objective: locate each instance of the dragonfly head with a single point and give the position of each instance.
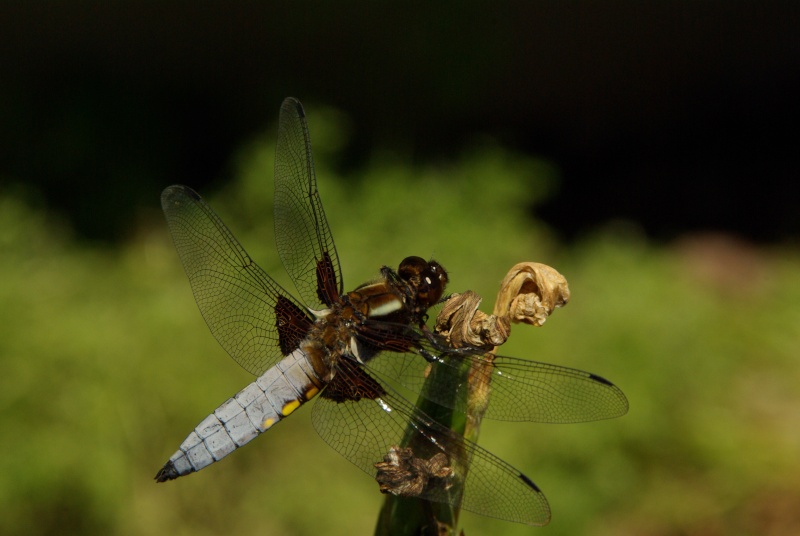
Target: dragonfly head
(427, 280)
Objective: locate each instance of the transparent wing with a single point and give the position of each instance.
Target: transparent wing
(369, 430)
(302, 234)
(521, 390)
(241, 304)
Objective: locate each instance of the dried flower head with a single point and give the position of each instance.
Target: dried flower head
(529, 293)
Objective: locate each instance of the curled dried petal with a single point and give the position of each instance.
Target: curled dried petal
(402, 473)
(463, 324)
(530, 292)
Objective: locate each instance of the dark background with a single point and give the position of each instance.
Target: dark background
(679, 115)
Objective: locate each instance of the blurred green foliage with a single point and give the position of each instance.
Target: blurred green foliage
(107, 365)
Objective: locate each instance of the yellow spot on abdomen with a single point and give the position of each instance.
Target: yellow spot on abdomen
(268, 423)
(290, 407)
(312, 392)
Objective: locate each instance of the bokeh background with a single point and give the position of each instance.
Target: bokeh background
(647, 151)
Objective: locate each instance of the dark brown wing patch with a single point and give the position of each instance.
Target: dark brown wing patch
(292, 323)
(352, 383)
(327, 284)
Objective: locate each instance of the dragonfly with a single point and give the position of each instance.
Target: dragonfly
(351, 350)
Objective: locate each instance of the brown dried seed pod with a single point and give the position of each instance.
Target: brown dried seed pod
(529, 293)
